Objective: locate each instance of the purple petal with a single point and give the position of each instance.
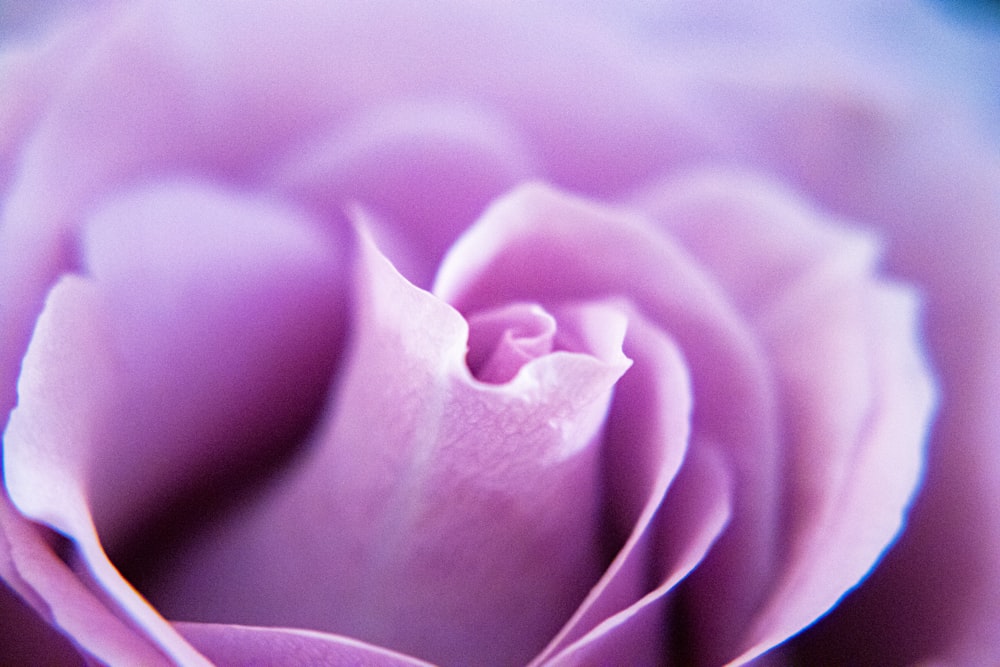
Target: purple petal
(433, 514)
(645, 445)
(63, 393)
(130, 372)
(537, 244)
(226, 314)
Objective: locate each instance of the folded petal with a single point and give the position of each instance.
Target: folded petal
(538, 244)
(691, 520)
(645, 445)
(67, 380)
(226, 316)
(206, 331)
(434, 514)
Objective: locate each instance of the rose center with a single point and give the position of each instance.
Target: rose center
(504, 339)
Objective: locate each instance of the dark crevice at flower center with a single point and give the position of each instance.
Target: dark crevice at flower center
(504, 339)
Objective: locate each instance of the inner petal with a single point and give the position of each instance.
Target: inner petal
(504, 339)
(452, 519)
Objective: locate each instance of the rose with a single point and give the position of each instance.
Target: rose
(789, 160)
(209, 105)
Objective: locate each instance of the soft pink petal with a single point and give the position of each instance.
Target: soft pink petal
(542, 245)
(503, 340)
(433, 514)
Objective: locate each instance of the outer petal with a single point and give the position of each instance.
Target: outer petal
(856, 392)
(425, 170)
(284, 78)
(64, 387)
(227, 315)
(116, 384)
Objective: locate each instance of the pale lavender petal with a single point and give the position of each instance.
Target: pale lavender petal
(537, 244)
(692, 518)
(129, 364)
(841, 537)
(837, 336)
(503, 340)
(64, 391)
(433, 514)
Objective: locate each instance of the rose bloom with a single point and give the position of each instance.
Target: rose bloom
(395, 333)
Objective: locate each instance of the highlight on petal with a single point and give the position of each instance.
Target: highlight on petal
(434, 514)
(63, 396)
(32, 568)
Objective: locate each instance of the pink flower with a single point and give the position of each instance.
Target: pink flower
(385, 333)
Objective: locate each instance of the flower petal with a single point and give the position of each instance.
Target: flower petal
(844, 348)
(63, 391)
(645, 444)
(538, 244)
(425, 169)
(692, 518)
(451, 519)
(130, 371)
(226, 316)
(842, 538)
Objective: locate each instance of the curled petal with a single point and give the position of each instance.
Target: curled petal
(432, 513)
(539, 244)
(64, 386)
(132, 364)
